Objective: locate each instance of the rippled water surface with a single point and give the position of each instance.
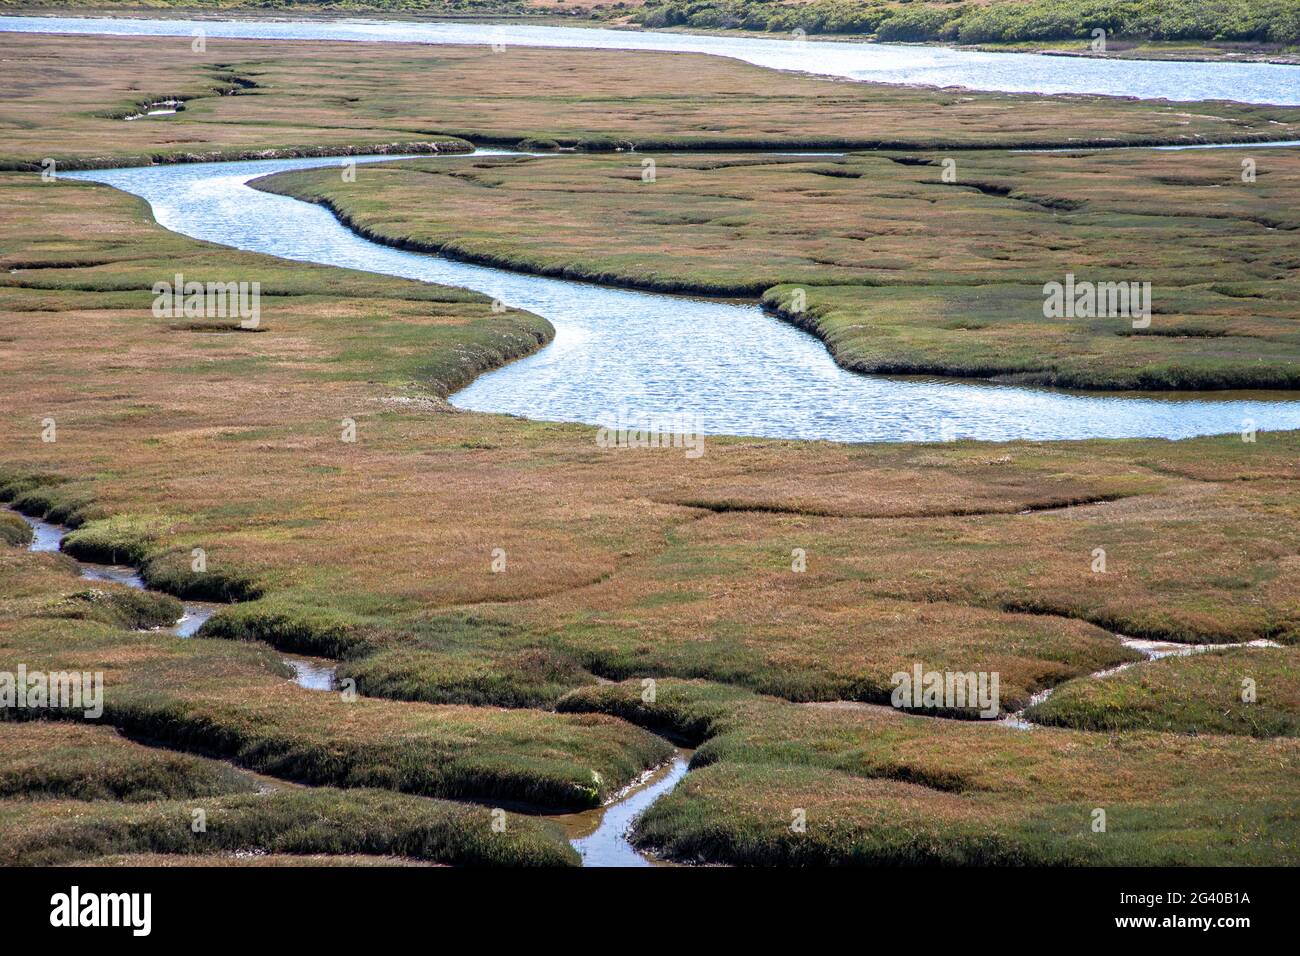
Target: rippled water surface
(734, 368)
(877, 62)
(601, 836)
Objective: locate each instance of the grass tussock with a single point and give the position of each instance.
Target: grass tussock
(319, 632)
(118, 540)
(40, 760)
(117, 605)
(1203, 693)
(14, 531)
(173, 572)
(295, 822)
(689, 711)
(529, 677)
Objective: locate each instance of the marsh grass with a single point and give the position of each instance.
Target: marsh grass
(173, 573)
(742, 815)
(14, 531)
(118, 605)
(526, 677)
(376, 552)
(295, 822)
(877, 787)
(298, 629)
(42, 760)
(236, 700)
(1197, 694)
(939, 278)
(315, 99)
(116, 540)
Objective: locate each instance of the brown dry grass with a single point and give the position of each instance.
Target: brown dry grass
(902, 272)
(637, 564)
(60, 95)
(876, 787)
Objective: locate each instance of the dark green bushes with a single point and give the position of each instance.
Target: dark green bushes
(1266, 21)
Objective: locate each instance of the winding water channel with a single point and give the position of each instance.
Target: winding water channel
(735, 369)
(600, 835)
(756, 374)
(874, 62)
(729, 367)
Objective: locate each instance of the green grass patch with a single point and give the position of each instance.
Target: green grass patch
(64, 761)
(291, 822)
(117, 605)
(299, 629)
(1198, 694)
(14, 531)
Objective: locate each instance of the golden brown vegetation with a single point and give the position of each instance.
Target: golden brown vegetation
(621, 565)
(897, 269)
(245, 97)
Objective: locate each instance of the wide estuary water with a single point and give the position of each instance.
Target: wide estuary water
(875, 62)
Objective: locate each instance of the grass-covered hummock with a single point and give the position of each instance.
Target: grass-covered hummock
(118, 605)
(475, 674)
(1203, 693)
(14, 531)
(323, 821)
(41, 760)
(299, 629)
(876, 787)
(897, 269)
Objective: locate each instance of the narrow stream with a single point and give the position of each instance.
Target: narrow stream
(600, 835)
(1151, 650)
(160, 108)
(311, 673)
(720, 367)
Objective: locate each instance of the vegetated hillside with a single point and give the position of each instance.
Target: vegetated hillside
(977, 21)
(999, 21)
